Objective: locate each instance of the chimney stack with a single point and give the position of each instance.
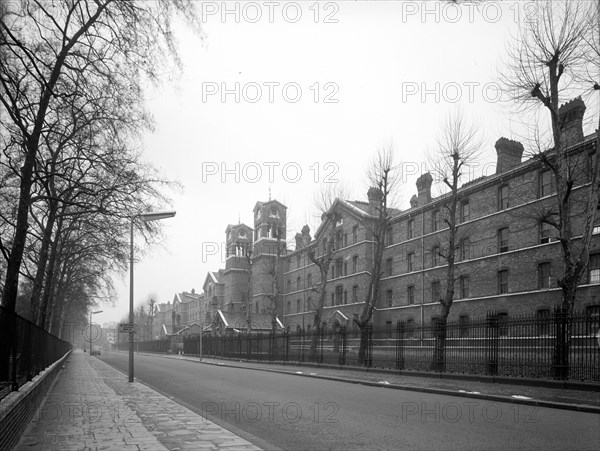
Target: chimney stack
(571, 121)
(306, 235)
(375, 200)
(414, 202)
(509, 154)
(424, 189)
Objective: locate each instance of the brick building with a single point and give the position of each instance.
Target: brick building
(507, 259)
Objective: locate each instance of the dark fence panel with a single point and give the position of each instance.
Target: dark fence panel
(553, 346)
(25, 350)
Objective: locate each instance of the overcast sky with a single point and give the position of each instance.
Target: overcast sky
(319, 88)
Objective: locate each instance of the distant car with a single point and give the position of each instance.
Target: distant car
(95, 350)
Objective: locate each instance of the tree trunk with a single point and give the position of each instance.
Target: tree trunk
(440, 333)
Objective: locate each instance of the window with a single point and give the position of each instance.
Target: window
(355, 234)
(339, 293)
(435, 291)
(503, 239)
(465, 249)
(410, 294)
(338, 239)
(308, 302)
(545, 233)
(355, 293)
(338, 267)
(465, 211)
(543, 321)
(547, 186)
(544, 275)
(298, 259)
(389, 297)
(298, 283)
(345, 268)
(290, 285)
(298, 305)
(289, 307)
(463, 287)
(435, 256)
(345, 239)
(594, 266)
(503, 281)
(309, 280)
(345, 297)
(410, 228)
(503, 197)
(435, 220)
(463, 325)
(409, 261)
(389, 234)
(389, 266)
(355, 264)
(332, 298)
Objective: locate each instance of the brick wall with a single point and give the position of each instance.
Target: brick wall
(18, 408)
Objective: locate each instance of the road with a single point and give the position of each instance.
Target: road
(301, 413)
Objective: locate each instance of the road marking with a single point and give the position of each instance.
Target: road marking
(520, 397)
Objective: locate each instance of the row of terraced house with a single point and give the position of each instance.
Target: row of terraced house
(508, 260)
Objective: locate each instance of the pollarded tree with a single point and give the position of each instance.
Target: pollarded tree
(457, 149)
(549, 64)
(322, 251)
(384, 177)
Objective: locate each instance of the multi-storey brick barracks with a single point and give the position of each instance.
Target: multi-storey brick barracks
(507, 261)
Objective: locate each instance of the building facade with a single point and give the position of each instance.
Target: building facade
(507, 260)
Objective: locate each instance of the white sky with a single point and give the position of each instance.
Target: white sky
(373, 56)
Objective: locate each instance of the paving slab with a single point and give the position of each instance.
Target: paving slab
(92, 406)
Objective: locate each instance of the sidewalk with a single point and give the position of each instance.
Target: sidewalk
(571, 399)
(93, 407)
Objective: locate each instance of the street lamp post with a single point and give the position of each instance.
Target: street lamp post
(146, 217)
(92, 313)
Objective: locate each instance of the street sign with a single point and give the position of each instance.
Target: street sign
(127, 327)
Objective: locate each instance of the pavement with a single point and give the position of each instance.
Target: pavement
(586, 399)
(92, 406)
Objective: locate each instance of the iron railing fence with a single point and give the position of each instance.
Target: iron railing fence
(25, 350)
(553, 346)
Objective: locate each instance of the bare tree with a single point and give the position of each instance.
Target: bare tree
(73, 49)
(247, 253)
(322, 251)
(383, 178)
(551, 61)
(274, 271)
(457, 148)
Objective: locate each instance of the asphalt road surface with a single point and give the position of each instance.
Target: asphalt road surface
(301, 413)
